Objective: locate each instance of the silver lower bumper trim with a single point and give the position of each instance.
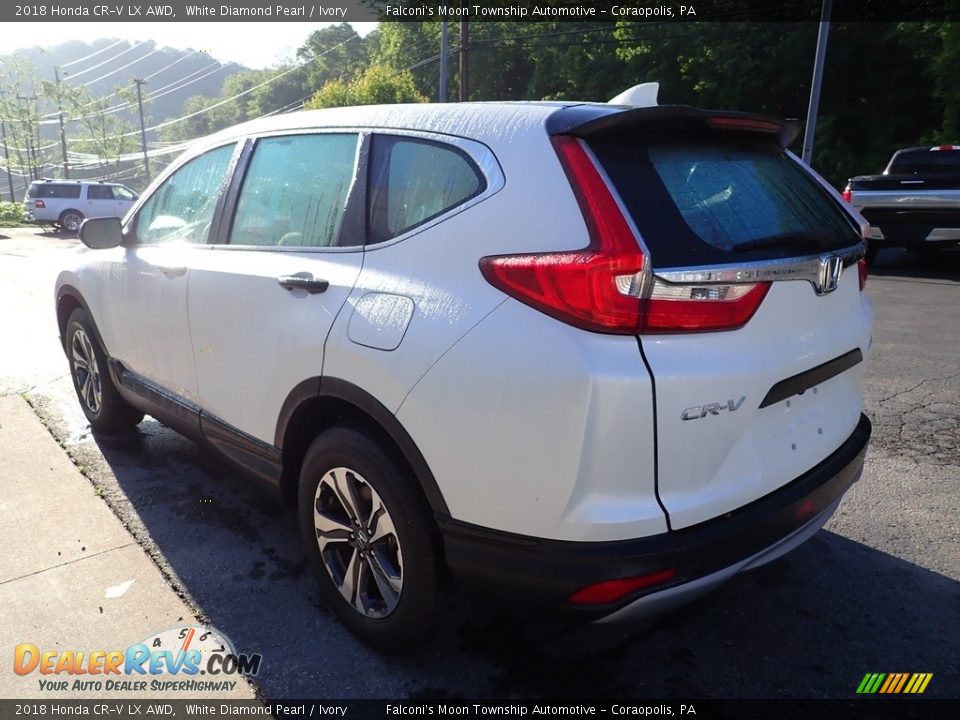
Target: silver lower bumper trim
(665, 600)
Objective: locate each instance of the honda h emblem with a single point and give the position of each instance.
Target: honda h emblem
(830, 268)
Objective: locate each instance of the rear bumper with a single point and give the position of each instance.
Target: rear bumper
(546, 572)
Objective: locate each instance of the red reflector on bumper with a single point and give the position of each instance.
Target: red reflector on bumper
(608, 591)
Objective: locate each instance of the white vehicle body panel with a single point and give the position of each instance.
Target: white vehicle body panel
(713, 464)
(562, 451)
(153, 344)
(255, 340)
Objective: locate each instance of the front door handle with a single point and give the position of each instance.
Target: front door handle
(303, 281)
(172, 270)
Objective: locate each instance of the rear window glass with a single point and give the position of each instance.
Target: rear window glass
(705, 202)
(926, 162)
(413, 181)
(52, 190)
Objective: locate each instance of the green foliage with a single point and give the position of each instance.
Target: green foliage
(11, 214)
(378, 85)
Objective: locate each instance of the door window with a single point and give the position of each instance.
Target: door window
(123, 193)
(413, 181)
(295, 192)
(181, 209)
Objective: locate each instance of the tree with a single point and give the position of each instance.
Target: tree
(336, 52)
(375, 86)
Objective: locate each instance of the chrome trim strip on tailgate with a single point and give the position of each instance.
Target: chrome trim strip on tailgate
(809, 268)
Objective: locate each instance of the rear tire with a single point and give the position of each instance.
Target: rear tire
(106, 411)
(70, 220)
(370, 539)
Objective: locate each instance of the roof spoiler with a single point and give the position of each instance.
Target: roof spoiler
(596, 120)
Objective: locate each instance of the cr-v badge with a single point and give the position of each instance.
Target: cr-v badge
(699, 411)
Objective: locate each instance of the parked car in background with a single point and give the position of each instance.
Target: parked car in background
(914, 203)
(589, 357)
(67, 203)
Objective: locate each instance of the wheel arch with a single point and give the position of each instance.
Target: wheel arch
(68, 300)
(317, 404)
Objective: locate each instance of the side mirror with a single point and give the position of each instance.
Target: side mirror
(101, 233)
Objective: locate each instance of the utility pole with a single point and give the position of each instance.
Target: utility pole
(143, 132)
(63, 135)
(464, 48)
(812, 110)
(444, 68)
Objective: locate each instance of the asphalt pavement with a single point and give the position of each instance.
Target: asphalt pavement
(876, 591)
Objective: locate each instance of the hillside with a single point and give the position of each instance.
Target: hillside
(117, 63)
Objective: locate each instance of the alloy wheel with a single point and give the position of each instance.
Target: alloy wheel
(86, 371)
(358, 542)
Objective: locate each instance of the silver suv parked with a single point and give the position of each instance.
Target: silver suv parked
(67, 202)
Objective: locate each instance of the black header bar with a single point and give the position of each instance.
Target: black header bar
(601, 11)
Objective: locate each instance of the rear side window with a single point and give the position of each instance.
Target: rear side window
(926, 162)
(54, 190)
(413, 181)
(99, 192)
(709, 202)
(295, 192)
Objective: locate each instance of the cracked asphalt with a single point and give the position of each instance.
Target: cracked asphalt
(876, 591)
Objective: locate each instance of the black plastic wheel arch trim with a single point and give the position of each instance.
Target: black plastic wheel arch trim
(333, 387)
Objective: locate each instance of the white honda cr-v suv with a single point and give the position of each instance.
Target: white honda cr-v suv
(595, 357)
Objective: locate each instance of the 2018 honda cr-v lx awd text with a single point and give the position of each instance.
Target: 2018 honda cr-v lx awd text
(599, 357)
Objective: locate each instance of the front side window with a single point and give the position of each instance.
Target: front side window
(181, 209)
(123, 193)
(413, 181)
(295, 192)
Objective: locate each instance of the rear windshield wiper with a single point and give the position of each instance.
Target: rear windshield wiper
(788, 241)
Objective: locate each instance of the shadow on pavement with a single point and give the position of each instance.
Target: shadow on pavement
(809, 625)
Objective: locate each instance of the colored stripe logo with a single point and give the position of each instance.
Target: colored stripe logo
(894, 683)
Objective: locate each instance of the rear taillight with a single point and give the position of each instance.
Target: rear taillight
(39, 203)
(862, 271)
(847, 194)
(608, 286)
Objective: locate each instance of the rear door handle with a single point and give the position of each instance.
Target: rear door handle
(303, 281)
(172, 270)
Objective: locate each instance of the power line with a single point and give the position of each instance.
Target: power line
(96, 52)
(74, 76)
(123, 67)
(242, 94)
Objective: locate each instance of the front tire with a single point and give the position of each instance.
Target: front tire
(106, 411)
(370, 540)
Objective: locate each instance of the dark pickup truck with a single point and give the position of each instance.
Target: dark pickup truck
(915, 203)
